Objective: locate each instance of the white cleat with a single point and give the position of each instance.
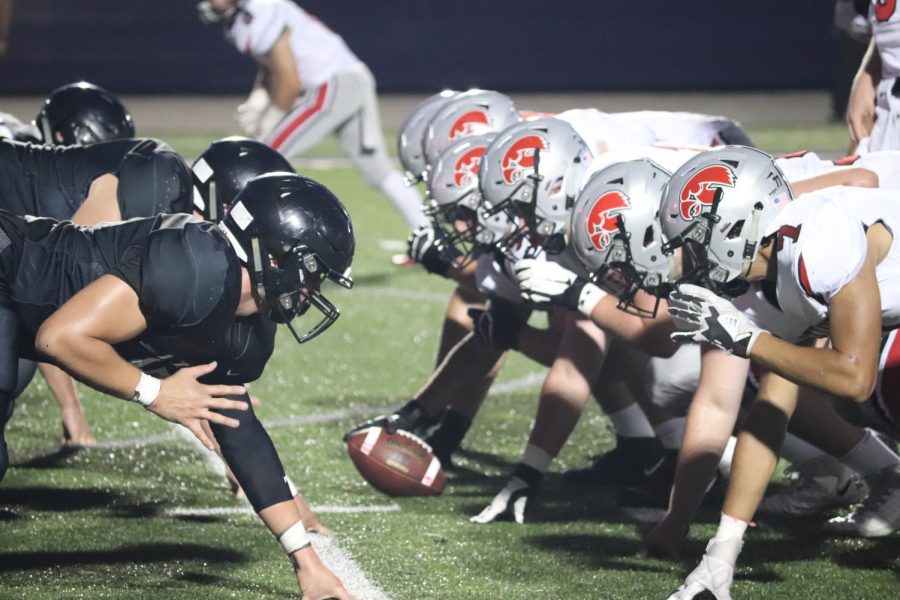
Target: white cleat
(879, 514)
(814, 487)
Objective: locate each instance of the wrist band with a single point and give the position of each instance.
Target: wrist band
(295, 538)
(147, 390)
(588, 298)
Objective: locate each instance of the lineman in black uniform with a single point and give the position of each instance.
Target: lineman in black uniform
(168, 292)
(107, 181)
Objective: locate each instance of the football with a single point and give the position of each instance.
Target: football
(398, 464)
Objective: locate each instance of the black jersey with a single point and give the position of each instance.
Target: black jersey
(186, 277)
(53, 181)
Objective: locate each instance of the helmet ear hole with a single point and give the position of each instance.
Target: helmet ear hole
(735, 231)
(648, 236)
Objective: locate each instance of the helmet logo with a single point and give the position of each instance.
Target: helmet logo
(471, 123)
(601, 220)
(465, 171)
(520, 157)
(700, 189)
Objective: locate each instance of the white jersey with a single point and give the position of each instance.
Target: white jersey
(885, 21)
(669, 158)
(494, 274)
(678, 128)
(318, 52)
(820, 244)
(884, 163)
(604, 131)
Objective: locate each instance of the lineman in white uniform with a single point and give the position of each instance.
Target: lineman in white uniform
(873, 111)
(821, 262)
(310, 84)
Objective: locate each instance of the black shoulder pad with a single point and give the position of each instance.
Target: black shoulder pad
(153, 179)
(190, 277)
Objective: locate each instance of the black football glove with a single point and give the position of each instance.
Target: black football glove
(426, 247)
(499, 325)
(410, 417)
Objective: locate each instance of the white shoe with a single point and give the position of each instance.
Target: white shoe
(713, 576)
(814, 487)
(879, 514)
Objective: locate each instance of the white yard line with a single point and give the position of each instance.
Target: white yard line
(520, 383)
(214, 511)
(392, 245)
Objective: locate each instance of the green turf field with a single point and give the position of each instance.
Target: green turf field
(94, 523)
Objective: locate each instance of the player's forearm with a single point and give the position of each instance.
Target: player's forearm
(650, 335)
(826, 369)
(61, 384)
(92, 361)
(708, 427)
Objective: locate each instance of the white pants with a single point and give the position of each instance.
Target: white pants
(886, 131)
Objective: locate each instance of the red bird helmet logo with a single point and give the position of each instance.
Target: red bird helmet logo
(471, 123)
(700, 189)
(520, 157)
(601, 220)
(465, 171)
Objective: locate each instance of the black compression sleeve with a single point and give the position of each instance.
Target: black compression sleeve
(250, 454)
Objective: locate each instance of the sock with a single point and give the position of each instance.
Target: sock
(536, 458)
(799, 451)
(449, 434)
(869, 455)
(405, 199)
(670, 432)
(631, 422)
(727, 457)
(729, 539)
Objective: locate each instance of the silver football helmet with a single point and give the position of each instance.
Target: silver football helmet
(614, 226)
(716, 208)
(534, 170)
(470, 113)
(411, 140)
(453, 197)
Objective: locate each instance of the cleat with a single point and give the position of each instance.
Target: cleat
(879, 514)
(814, 487)
(633, 462)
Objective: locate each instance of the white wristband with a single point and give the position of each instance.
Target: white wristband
(147, 390)
(588, 298)
(295, 538)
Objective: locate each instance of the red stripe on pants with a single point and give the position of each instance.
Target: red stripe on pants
(301, 118)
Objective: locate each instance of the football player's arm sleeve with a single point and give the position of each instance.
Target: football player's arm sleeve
(252, 457)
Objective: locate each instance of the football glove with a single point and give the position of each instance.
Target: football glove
(426, 248)
(248, 114)
(410, 417)
(712, 576)
(547, 283)
(511, 502)
(701, 316)
(498, 326)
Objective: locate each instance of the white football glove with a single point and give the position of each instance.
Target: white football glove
(509, 504)
(248, 114)
(704, 317)
(543, 282)
(712, 576)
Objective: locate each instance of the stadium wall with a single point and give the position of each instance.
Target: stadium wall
(159, 46)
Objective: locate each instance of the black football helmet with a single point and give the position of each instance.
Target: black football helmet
(82, 113)
(221, 172)
(293, 234)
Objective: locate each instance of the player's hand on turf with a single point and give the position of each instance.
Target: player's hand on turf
(712, 576)
(861, 109)
(664, 540)
(410, 417)
(512, 501)
(248, 114)
(184, 400)
(702, 316)
(316, 581)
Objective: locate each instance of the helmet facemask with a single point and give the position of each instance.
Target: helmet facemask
(286, 286)
(210, 16)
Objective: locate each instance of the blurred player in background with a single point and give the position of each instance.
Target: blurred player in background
(310, 84)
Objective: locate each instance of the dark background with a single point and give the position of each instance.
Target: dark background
(159, 46)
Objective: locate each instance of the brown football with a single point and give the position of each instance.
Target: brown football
(398, 464)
